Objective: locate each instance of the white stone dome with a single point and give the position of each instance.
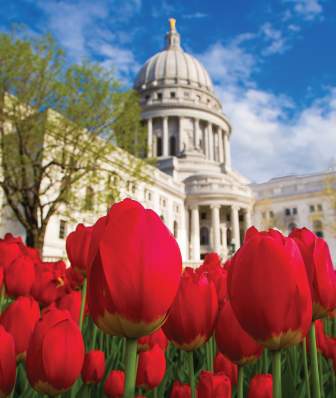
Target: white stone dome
(173, 66)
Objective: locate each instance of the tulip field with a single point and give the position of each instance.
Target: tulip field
(125, 319)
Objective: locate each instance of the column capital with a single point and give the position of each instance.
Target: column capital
(215, 206)
(235, 207)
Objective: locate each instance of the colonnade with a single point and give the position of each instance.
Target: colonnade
(208, 138)
(218, 243)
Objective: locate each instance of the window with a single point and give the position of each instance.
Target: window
(263, 214)
(163, 202)
(172, 94)
(172, 145)
(291, 226)
(158, 146)
(319, 207)
(148, 195)
(198, 97)
(294, 210)
(204, 236)
(62, 229)
(89, 199)
(175, 229)
(159, 96)
(162, 218)
(203, 215)
(287, 212)
(312, 208)
(271, 214)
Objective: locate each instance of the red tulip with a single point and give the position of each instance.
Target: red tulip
(316, 255)
(55, 354)
(261, 386)
(49, 284)
(20, 276)
(7, 363)
(213, 386)
(180, 390)
(269, 290)
(147, 342)
(19, 319)
(192, 316)
(77, 247)
(151, 368)
(94, 367)
(115, 384)
(72, 302)
(74, 279)
(10, 248)
(233, 341)
(224, 365)
(135, 272)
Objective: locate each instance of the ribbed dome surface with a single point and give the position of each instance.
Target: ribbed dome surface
(173, 66)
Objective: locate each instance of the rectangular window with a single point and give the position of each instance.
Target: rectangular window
(287, 212)
(294, 210)
(271, 214)
(172, 94)
(203, 215)
(62, 229)
(159, 96)
(312, 208)
(319, 207)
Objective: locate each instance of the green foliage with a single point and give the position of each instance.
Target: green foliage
(59, 125)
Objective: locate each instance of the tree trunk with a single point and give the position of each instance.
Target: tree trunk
(35, 238)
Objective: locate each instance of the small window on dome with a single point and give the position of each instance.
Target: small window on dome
(159, 96)
(198, 97)
(186, 94)
(173, 94)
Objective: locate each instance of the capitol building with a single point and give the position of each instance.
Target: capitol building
(195, 188)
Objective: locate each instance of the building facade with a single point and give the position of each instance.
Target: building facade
(205, 203)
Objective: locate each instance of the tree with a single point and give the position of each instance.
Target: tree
(59, 124)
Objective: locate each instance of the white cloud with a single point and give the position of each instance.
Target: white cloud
(276, 43)
(307, 9)
(266, 141)
(195, 15)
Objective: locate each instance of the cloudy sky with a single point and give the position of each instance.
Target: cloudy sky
(273, 63)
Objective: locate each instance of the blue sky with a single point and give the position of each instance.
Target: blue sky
(273, 64)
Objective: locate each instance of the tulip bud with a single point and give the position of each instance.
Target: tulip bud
(19, 319)
(233, 341)
(223, 364)
(261, 386)
(322, 278)
(10, 248)
(71, 302)
(269, 290)
(77, 247)
(151, 368)
(147, 342)
(94, 367)
(55, 354)
(20, 276)
(180, 390)
(115, 384)
(213, 386)
(193, 314)
(135, 272)
(7, 363)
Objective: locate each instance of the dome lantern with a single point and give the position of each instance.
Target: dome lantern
(173, 41)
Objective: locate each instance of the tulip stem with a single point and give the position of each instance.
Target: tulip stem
(130, 367)
(276, 370)
(314, 362)
(240, 388)
(191, 373)
(305, 365)
(82, 309)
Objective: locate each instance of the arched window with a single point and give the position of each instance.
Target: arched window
(158, 146)
(291, 226)
(318, 228)
(204, 236)
(89, 199)
(172, 146)
(175, 229)
(162, 218)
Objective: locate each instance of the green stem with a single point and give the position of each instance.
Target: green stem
(240, 387)
(305, 365)
(130, 367)
(2, 296)
(94, 335)
(333, 378)
(319, 357)
(276, 370)
(266, 364)
(191, 373)
(314, 362)
(81, 316)
(155, 392)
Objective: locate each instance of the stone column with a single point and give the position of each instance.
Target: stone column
(235, 226)
(180, 137)
(247, 219)
(227, 151)
(206, 141)
(149, 138)
(211, 142)
(224, 236)
(195, 234)
(215, 221)
(221, 145)
(165, 137)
